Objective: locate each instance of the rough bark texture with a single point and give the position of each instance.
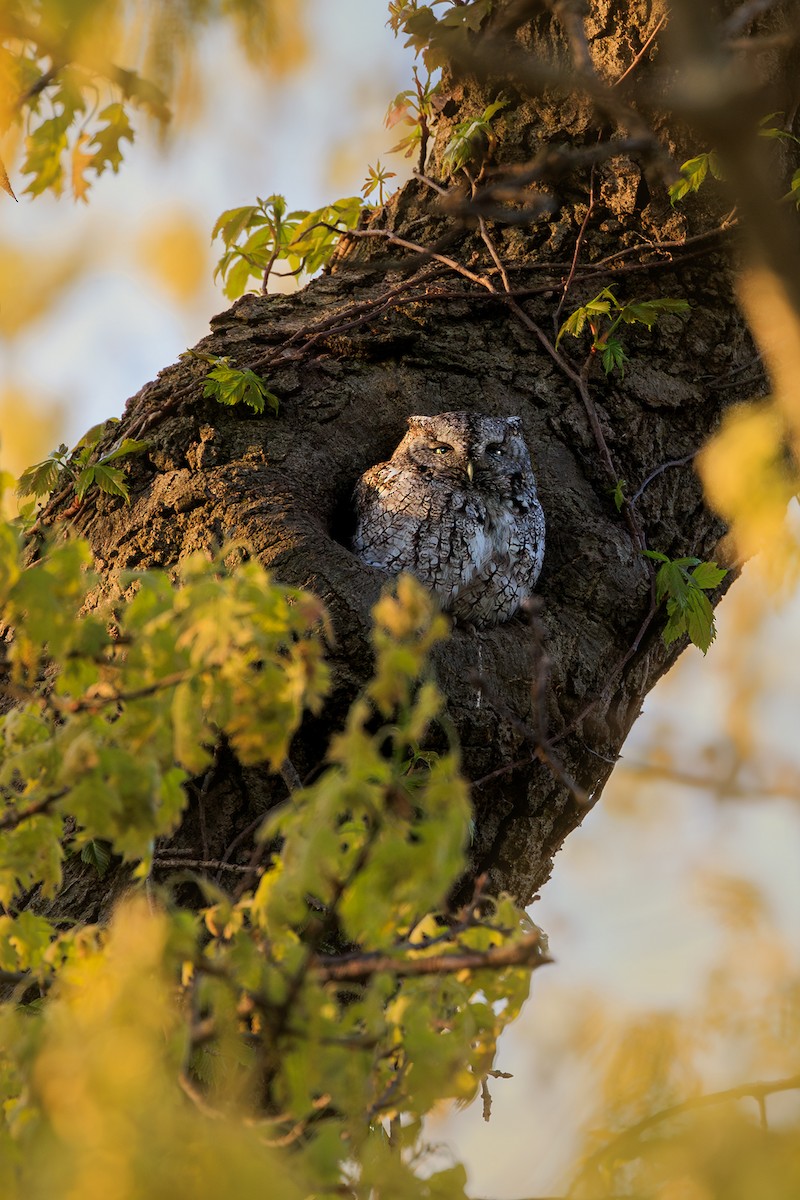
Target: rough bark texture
(348, 376)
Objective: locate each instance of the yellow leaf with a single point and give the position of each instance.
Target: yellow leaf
(746, 479)
(745, 468)
(80, 161)
(5, 183)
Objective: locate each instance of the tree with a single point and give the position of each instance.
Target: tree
(548, 204)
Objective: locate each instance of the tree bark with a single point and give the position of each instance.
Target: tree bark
(542, 704)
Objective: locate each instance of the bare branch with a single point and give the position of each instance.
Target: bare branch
(15, 817)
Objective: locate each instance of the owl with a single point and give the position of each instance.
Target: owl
(456, 505)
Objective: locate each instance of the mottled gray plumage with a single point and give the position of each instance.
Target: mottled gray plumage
(456, 506)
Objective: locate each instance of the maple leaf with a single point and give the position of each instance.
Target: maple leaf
(81, 161)
(108, 138)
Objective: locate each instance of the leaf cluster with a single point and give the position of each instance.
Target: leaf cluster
(74, 105)
(683, 582)
(73, 76)
(312, 1005)
(472, 138)
(231, 385)
(424, 28)
(376, 180)
(604, 315)
(74, 466)
(137, 693)
(416, 109)
(258, 236)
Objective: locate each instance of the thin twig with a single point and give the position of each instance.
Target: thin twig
(394, 240)
(754, 1091)
(200, 864)
(437, 187)
(15, 817)
(93, 703)
(570, 16)
(612, 676)
(725, 785)
(495, 256)
(672, 462)
(36, 88)
(578, 242)
(290, 776)
(642, 52)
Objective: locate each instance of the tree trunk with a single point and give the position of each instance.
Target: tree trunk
(543, 703)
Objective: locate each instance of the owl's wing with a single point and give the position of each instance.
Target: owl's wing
(388, 517)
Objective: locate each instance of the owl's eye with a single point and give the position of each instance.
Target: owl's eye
(495, 449)
(441, 449)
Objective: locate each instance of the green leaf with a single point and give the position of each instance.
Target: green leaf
(98, 855)
(27, 937)
(708, 575)
(647, 312)
(574, 323)
(108, 479)
(682, 582)
(699, 619)
(693, 173)
(618, 494)
(794, 188)
(40, 479)
(233, 222)
(470, 16)
(613, 356)
(229, 385)
(599, 306)
(44, 148)
(117, 128)
(127, 446)
(775, 131)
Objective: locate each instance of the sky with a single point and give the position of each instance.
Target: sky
(635, 910)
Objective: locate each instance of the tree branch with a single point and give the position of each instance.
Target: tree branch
(526, 952)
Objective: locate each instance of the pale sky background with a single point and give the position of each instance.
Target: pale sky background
(632, 911)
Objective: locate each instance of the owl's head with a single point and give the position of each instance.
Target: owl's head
(465, 447)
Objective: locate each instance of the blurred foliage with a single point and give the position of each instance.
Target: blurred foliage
(274, 1032)
(22, 439)
(749, 469)
(75, 75)
(173, 249)
(32, 282)
(658, 1129)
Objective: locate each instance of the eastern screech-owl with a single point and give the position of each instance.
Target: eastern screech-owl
(456, 506)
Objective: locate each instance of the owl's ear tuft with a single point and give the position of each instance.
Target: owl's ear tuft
(514, 424)
(423, 422)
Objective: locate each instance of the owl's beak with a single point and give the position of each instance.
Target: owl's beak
(470, 469)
